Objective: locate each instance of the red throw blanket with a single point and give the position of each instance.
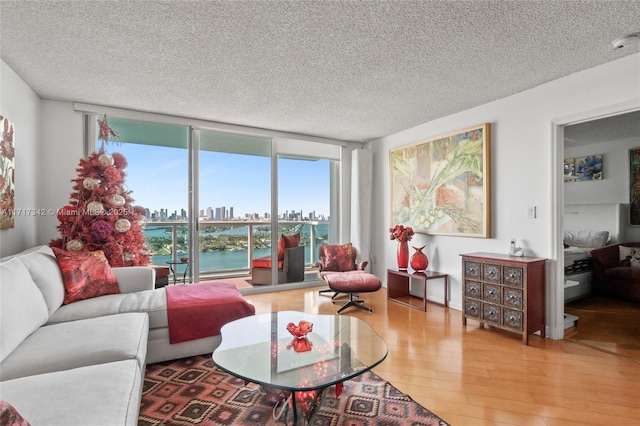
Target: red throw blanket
(200, 310)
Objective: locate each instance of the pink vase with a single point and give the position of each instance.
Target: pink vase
(419, 261)
(403, 254)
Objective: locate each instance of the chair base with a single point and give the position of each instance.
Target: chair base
(358, 303)
(334, 296)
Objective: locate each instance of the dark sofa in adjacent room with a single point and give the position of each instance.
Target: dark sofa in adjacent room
(616, 271)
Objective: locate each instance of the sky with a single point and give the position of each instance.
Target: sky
(158, 178)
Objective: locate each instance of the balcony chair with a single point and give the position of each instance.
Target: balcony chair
(290, 263)
(338, 268)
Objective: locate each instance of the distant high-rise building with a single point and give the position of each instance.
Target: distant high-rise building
(230, 213)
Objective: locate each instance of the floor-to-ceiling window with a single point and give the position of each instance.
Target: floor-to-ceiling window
(209, 195)
(157, 176)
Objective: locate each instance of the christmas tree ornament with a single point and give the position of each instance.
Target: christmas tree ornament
(104, 132)
(106, 160)
(123, 225)
(128, 256)
(119, 161)
(95, 208)
(100, 230)
(117, 200)
(90, 183)
(142, 223)
(67, 214)
(75, 245)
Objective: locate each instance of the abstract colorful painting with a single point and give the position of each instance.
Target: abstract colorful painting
(7, 167)
(441, 185)
(634, 187)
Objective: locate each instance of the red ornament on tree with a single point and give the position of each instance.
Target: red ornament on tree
(101, 214)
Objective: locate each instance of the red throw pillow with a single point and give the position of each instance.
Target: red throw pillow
(338, 258)
(285, 242)
(85, 275)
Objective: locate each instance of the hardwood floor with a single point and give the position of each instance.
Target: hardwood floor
(473, 376)
(606, 324)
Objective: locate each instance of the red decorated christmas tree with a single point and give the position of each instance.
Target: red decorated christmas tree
(101, 214)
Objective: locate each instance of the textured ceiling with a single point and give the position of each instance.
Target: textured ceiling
(617, 128)
(350, 70)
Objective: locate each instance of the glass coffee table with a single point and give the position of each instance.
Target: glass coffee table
(260, 349)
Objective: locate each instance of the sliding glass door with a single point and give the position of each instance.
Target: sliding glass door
(304, 201)
(233, 202)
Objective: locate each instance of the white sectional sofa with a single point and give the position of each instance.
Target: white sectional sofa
(81, 363)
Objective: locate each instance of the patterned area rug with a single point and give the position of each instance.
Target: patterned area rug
(192, 391)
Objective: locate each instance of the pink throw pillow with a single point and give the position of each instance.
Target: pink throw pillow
(10, 416)
(338, 257)
(85, 275)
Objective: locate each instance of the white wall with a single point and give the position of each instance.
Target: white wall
(20, 105)
(522, 152)
(614, 187)
(59, 154)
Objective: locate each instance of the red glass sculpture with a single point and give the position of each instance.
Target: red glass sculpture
(301, 330)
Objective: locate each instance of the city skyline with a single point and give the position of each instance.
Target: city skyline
(157, 177)
(165, 215)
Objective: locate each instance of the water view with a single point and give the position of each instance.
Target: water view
(225, 246)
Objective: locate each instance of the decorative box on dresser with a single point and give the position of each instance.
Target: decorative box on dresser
(504, 291)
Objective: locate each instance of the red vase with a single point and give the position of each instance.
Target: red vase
(419, 261)
(403, 254)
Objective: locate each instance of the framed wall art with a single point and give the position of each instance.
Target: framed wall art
(7, 167)
(634, 187)
(441, 185)
(581, 169)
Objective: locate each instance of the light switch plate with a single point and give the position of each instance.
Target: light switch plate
(531, 212)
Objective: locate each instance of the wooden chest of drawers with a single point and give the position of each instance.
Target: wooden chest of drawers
(503, 291)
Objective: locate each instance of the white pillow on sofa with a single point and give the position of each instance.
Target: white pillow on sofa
(592, 239)
(22, 307)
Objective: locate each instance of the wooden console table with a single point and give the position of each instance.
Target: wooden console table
(398, 287)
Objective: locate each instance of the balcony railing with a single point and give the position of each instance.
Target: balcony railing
(227, 247)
